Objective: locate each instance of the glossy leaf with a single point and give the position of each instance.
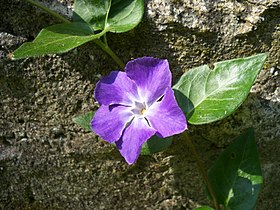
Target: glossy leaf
(207, 95)
(109, 15)
(84, 120)
(156, 144)
(204, 208)
(58, 38)
(125, 15)
(92, 12)
(236, 175)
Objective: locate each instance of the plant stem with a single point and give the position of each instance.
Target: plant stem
(202, 170)
(105, 39)
(46, 9)
(103, 46)
(108, 50)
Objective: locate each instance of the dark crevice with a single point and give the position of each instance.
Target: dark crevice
(147, 121)
(160, 98)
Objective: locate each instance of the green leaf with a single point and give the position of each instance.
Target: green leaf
(110, 15)
(125, 15)
(84, 120)
(58, 38)
(236, 175)
(207, 95)
(92, 12)
(204, 208)
(156, 144)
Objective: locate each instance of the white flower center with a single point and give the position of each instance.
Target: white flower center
(139, 109)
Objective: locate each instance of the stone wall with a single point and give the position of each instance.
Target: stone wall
(48, 162)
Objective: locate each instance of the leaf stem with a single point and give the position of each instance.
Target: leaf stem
(108, 50)
(103, 46)
(105, 39)
(202, 169)
(46, 9)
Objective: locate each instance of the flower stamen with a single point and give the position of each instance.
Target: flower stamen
(143, 111)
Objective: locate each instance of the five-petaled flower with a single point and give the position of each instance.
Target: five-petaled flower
(135, 105)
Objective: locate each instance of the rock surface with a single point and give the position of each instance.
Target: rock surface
(48, 162)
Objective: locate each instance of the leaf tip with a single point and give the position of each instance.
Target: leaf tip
(261, 56)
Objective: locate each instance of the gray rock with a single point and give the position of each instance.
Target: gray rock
(50, 163)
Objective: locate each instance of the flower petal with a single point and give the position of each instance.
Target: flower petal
(110, 121)
(116, 88)
(166, 116)
(151, 75)
(132, 139)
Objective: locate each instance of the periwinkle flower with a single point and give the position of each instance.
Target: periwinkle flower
(135, 105)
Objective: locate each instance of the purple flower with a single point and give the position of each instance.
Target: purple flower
(135, 105)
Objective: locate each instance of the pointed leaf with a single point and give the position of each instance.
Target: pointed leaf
(207, 95)
(84, 120)
(109, 15)
(58, 38)
(155, 144)
(236, 175)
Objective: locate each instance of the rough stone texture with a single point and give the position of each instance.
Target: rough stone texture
(48, 162)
